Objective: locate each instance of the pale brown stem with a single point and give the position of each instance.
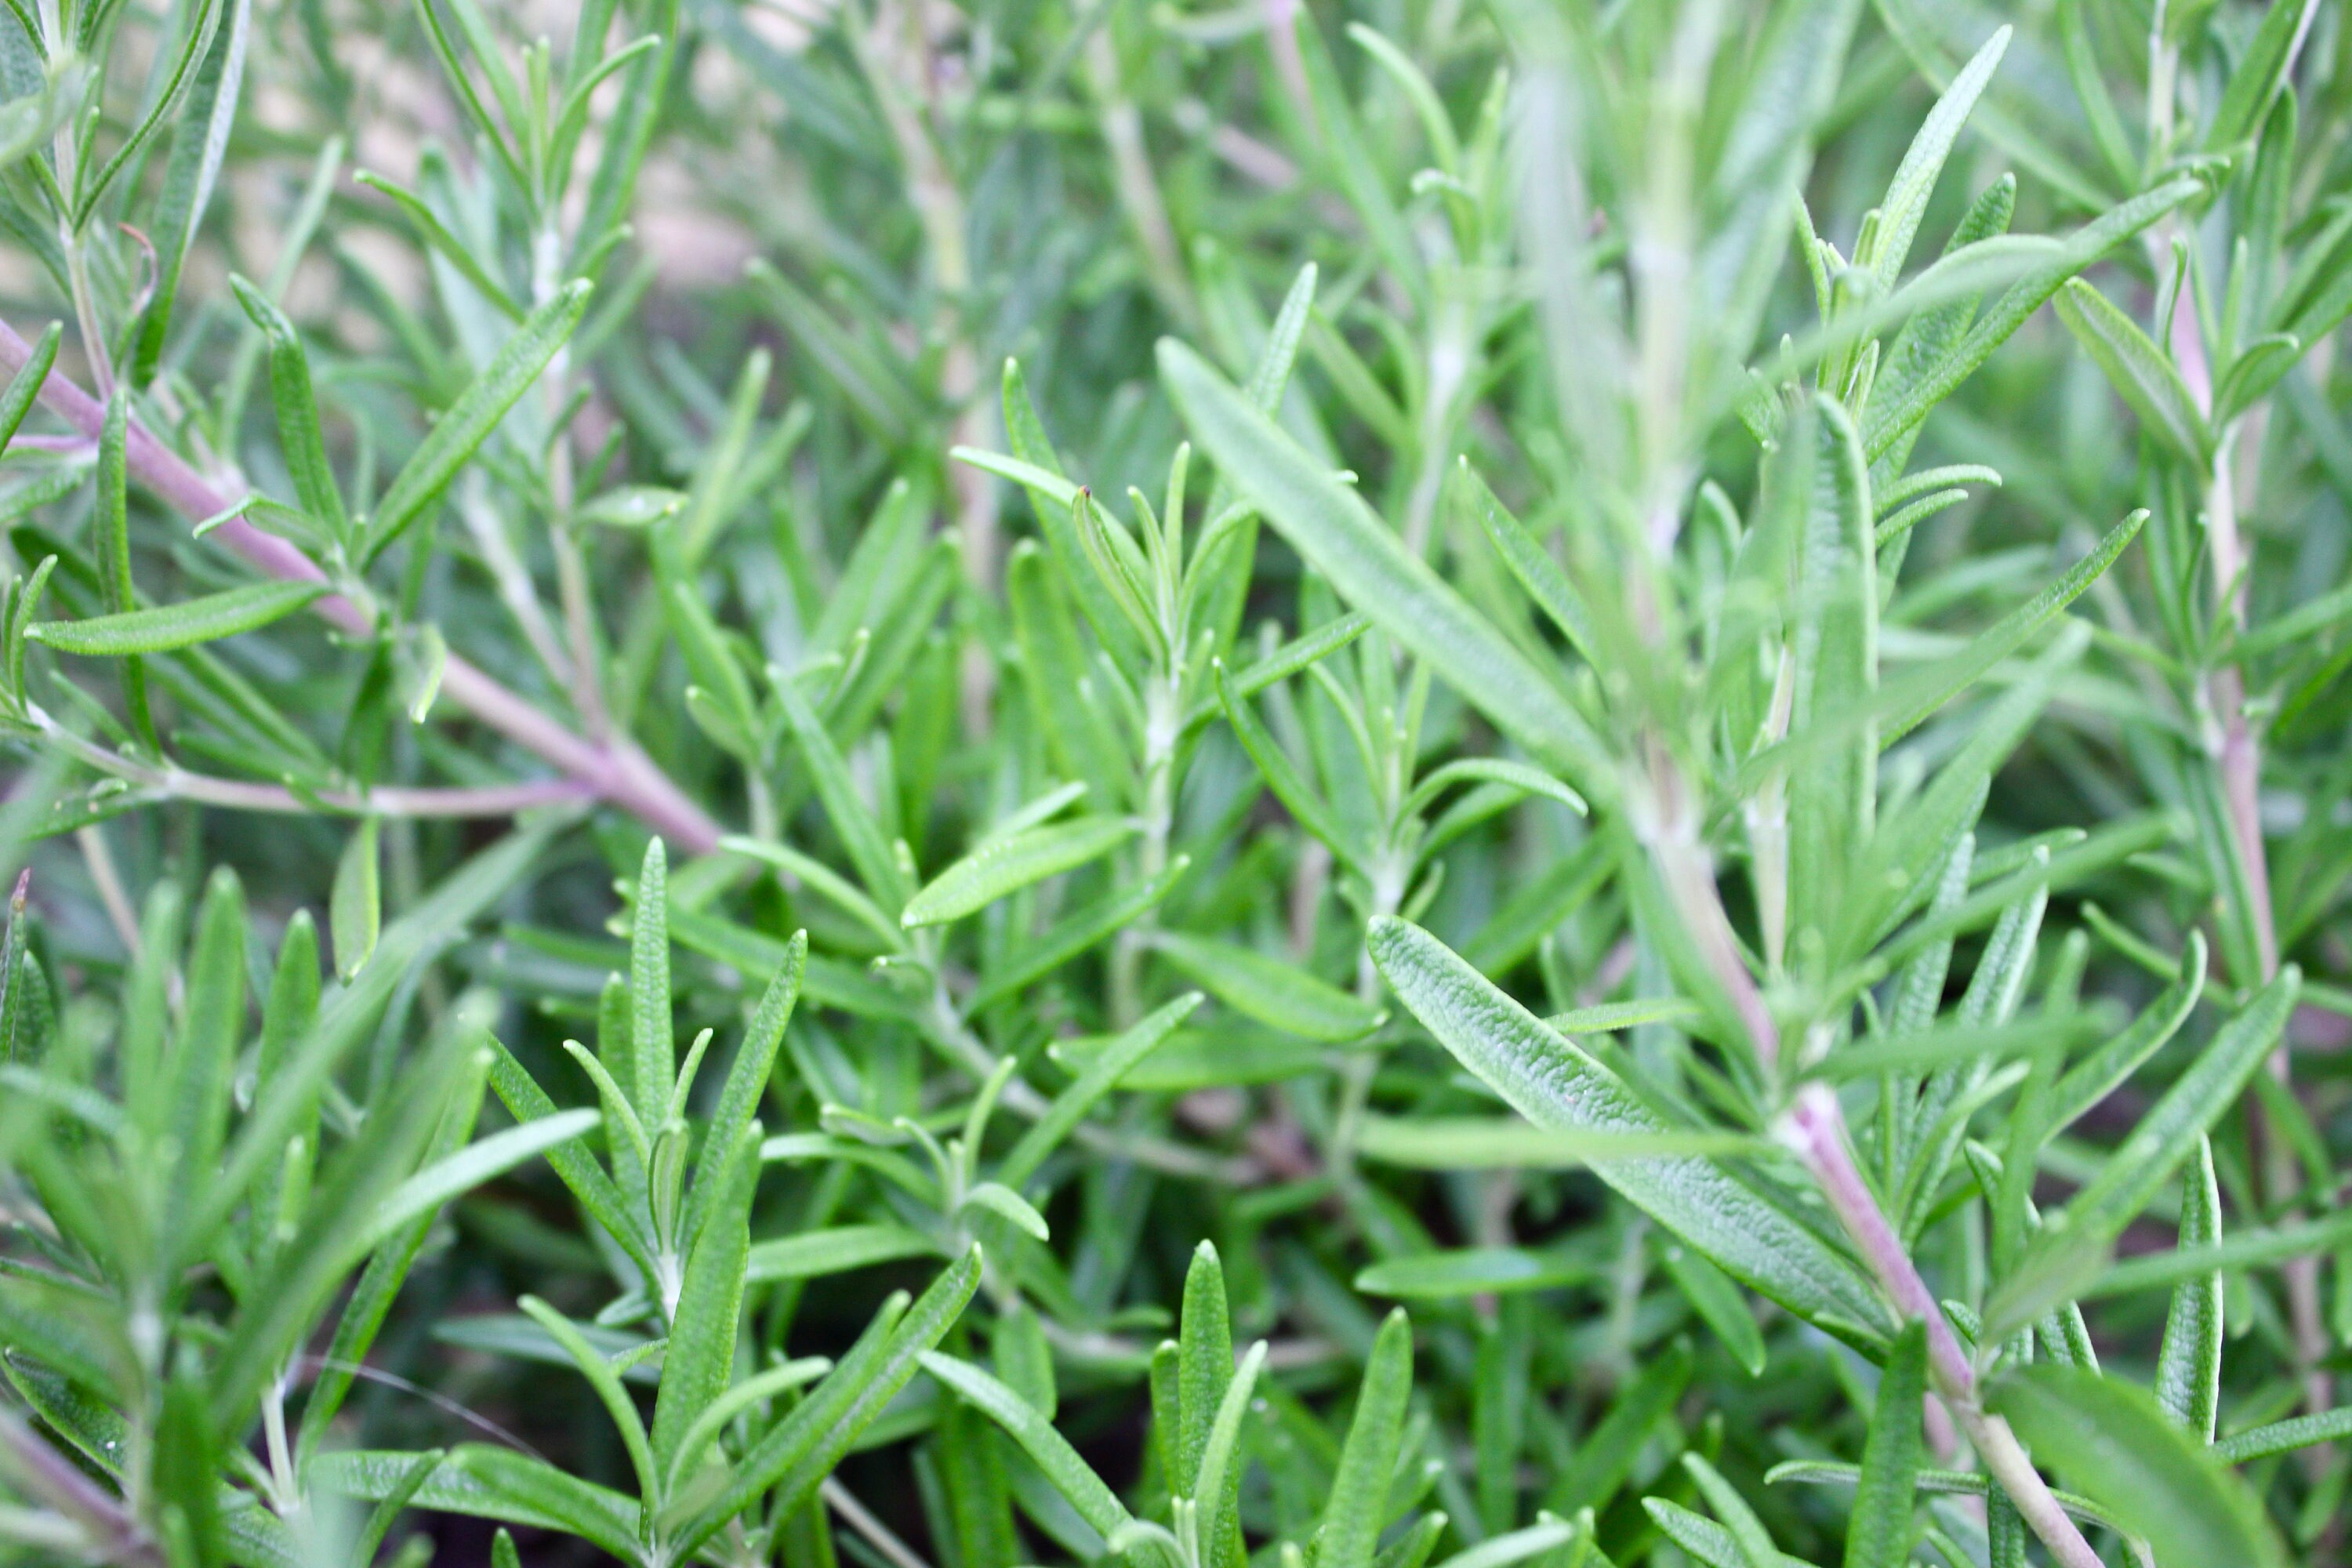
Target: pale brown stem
(108, 880)
(897, 59)
(1139, 187)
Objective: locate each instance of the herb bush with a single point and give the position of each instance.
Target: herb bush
(1552, 840)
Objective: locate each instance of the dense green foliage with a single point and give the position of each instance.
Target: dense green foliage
(1553, 841)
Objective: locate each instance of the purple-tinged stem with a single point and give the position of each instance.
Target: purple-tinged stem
(2237, 757)
(61, 1484)
(1817, 1125)
(615, 770)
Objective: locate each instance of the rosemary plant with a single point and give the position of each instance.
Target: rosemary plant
(1542, 783)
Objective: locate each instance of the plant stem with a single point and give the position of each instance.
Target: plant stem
(1819, 1124)
(1817, 1128)
(1138, 186)
(896, 57)
(2236, 755)
(956, 1038)
(244, 794)
(614, 770)
(109, 883)
(587, 682)
(878, 1535)
(60, 1483)
(1164, 725)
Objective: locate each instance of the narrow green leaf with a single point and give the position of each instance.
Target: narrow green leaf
(1908, 703)
(1331, 525)
(1748, 1532)
(1215, 1485)
(1076, 934)
(437, 238)
(485, 1481)
(1101, 1075)
(2076, 1239)
(1491, 1142)
(371, 1300)
(1880, 1531)
(1891, 420)
(24, 388)
(2139, 371)
(1006, 865)
(1821, 486)
(212, 1031)
(1353, 166)
(428, 1189)
(381, 1518)
(2102, 1070)
(179, 77)
(754, 1390)
(1470, 1271)
(1611, 1017)
(653, 1043)
(458, 433)
(1528, 560)
(2262, 72)
(596, 1192)
(1704, 1540)
(1718, 1304)
(355, 907)
(1360, 1487)
(1070, 1475)
(800, 1451)
(617, 1404)
(814, 1254)
(1923, 162)
(1024, 1357)
(1559, 1087)
(2248, 1250)
(184, 1471)
(354, 1194)
(869, 852)
(1513, 775)
(747, 1080)
(1503, 1550)
(818, 877)
(1296, 655)
(490, 1482)
(299, 434)
(166, 627)
(1008, 1204)
(1205, 1362)
(282, 1102)
(1283, 776)
(701, 1357)
(2188, 1362)
(199, 142)
(1050, 487)
(1267, 989)
(1030, 444)
(2114, 1443)
(2285, 1437)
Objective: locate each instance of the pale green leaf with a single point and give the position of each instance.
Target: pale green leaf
(166, 627)
(1007, 865)
(1556, 1086)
